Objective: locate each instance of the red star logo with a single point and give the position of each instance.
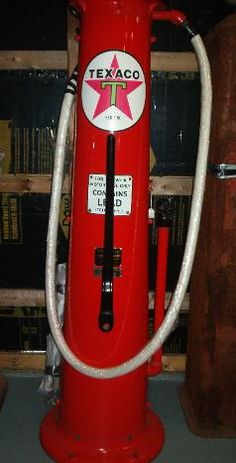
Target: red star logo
(113, 91)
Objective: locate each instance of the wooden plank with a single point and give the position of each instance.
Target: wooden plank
(174, 61)
(175, 362)
(72, 42)
(5, 145)
(184, 307)
(30, 183)
(27, 59)
(36, 361)
(171, 185)
(53, 59)
(73, 51)
(41, 183)
(22, 361)
(22, 298)
(36, 298)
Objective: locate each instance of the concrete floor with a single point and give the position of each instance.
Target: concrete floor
(24, 408)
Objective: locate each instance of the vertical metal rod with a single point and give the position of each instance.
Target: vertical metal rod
(163, 233)
(106, 317)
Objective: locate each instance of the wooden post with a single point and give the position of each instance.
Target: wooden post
(209, 394)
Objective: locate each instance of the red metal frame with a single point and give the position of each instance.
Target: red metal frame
(108, 420)
(163, 233)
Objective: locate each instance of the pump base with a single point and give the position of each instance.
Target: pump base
(65, 448)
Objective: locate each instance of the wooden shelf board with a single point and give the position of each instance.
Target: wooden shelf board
(174, 61)
(21, 183)
(22, 298)
(19, 361)
(33, 59)
(22, 361)
(30, 183)
(171, 185)
(58, 60)
(36, 298)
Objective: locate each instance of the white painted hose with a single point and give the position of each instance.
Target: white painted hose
(193, 229)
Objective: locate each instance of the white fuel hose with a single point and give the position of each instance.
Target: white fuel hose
(191, 241)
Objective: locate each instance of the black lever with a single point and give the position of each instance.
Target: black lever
(106, 318)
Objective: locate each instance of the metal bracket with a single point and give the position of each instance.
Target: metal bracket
(223, 171)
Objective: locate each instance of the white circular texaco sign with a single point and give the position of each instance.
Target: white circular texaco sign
(113, 91)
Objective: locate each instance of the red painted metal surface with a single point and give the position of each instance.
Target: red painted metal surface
(108, 420)
(174, 16)
(163, 233)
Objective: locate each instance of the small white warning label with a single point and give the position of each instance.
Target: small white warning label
(122, 194)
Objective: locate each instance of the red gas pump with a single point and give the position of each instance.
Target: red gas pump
(101, 417)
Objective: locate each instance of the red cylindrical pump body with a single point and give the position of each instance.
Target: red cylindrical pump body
(98, 419)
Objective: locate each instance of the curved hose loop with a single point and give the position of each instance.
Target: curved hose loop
(192, 235)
